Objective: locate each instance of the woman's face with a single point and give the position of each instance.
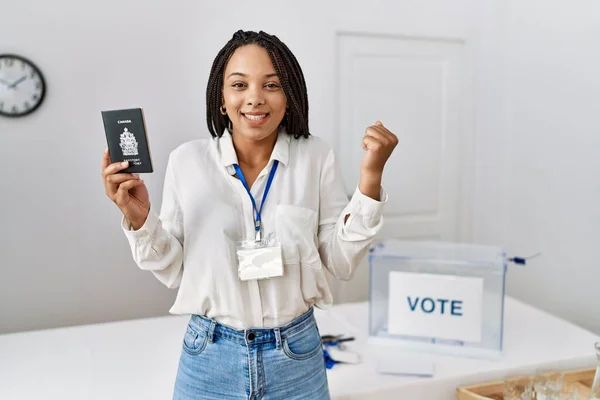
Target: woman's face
(252, 93)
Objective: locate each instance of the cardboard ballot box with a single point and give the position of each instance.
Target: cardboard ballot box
(437, 296)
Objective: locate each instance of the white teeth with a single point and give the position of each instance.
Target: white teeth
(255, 117)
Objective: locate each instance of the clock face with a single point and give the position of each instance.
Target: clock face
(22, 86)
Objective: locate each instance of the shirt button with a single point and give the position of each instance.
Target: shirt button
(250, 336)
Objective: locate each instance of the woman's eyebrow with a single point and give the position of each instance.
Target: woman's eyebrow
(245, 76)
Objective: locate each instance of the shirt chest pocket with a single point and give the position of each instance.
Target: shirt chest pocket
(297, 231)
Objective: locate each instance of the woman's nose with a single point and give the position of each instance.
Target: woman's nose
(255, 96)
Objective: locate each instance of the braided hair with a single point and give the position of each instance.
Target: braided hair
(288, 70)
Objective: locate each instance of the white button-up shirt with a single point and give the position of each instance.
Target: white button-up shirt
(191, 243)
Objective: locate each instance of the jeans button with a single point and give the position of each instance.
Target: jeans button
(250, 336)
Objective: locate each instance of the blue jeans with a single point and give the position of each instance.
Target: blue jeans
(219, 362)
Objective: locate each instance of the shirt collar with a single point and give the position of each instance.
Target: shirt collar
(281, 151)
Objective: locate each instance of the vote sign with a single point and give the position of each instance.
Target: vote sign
(435, 306)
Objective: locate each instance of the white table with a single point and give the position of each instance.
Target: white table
(138, 359)
(532, 339)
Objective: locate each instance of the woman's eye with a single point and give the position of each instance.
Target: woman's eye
(237, 85)
(271, 85)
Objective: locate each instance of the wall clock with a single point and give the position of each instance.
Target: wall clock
(22, 86)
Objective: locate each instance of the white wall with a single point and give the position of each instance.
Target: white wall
(64, 259)
(538, 152)
(552, 148)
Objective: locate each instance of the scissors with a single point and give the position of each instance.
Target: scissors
(333, 340)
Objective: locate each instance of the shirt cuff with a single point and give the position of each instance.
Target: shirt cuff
(366, 206)
(145, 231)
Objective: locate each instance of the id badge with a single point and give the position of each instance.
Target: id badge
(259, 259)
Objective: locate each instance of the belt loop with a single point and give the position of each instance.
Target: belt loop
(277, 338)
(211, 331)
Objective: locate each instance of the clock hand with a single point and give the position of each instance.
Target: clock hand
(17, 82)
(5, 82)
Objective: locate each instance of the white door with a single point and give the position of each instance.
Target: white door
(417, 84)
(418, 81)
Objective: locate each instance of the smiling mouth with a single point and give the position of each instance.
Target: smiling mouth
(256, 117)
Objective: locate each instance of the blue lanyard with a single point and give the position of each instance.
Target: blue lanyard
(240, 175)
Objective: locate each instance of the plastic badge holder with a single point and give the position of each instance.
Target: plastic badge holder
(433, 288)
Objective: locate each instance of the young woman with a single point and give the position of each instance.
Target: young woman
(251, 223)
